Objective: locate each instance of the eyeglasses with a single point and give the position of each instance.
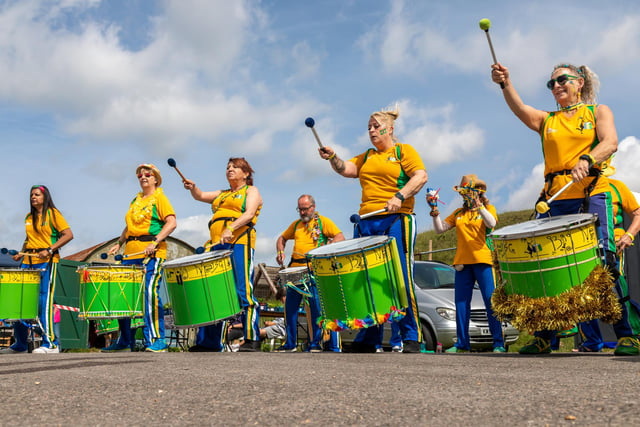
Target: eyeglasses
(146, 174)
(562, 79)
(299, 209)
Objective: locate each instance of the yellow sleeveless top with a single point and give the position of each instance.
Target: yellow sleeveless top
(226, 208)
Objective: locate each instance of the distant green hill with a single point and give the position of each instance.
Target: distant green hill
(448, 240)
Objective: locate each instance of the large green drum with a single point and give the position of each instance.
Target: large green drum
(202, 289)
(358, 280)
(19, 293)
(111, 291)
(548, 256)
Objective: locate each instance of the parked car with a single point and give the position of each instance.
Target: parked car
(434, 288)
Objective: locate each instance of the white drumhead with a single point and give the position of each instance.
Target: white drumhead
(543, 226)
(293, 270)
(348, 246)
(197, 258)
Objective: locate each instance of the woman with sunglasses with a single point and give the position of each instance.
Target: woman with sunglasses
(235, 212)
(576, 139)
(473, 263)
(47, 231)
(390, 174)
(149, 221)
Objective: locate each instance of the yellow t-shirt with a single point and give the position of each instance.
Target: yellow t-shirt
(228, 207)
(383, 173)
(623, 200)
(146, 216)
(311, 235)
(46, 234)
(564, 140)
(472, 236)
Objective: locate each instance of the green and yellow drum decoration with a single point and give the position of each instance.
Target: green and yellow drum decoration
(550, 274)
(360, 282)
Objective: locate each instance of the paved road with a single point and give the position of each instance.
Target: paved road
(276, 389)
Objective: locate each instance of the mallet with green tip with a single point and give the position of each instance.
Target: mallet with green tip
(485, 24)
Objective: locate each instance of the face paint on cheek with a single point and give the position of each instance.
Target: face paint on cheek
(383, 132)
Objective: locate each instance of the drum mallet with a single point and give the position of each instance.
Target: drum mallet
(543, 207)
(172, 163)
(355, 218)
(485, 24)
(13, 252)
(310, 123)
(121, 257)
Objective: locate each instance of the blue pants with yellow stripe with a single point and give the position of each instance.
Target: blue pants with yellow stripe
(211, 336)
(153, 309)
(45, 309)
(403, 228)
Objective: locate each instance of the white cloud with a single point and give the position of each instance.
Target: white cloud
(525, 196)
(626, 161)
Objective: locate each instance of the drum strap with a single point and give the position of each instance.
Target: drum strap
(143, 238)
(594, 172)
(298, 260)
(226, 219)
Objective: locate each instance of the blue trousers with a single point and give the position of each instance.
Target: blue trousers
(212, 336)
(45, 309)
(291, 306)
(153, 309)
(464, 283)
(403, 228)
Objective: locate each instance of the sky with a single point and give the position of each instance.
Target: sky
(89, 89)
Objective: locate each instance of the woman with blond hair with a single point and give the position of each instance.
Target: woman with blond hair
(391, 174)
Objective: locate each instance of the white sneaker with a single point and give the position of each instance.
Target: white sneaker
(396, 349)
(42, 350)
(380, 350)
(9, 350)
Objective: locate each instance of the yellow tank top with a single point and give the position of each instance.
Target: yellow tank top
(564, 140)
(226, 208)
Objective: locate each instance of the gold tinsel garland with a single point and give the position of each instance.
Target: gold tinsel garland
(594, 299)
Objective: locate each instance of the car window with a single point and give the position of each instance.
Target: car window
(433, 276)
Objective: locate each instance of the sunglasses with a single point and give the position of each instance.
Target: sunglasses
(562, 79)
(304, 209)
(146, 174)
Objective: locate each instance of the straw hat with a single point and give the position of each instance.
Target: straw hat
(471, 180)
(153, 169)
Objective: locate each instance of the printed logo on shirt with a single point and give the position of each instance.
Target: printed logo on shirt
(392, 158)
(551, 130)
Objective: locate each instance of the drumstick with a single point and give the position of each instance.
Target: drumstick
(310, 123)
(543, 207)
(172, 163)
(121, 257)
(355, 218)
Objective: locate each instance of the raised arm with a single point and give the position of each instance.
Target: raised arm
(344, 168)
(202, 196)
(531, 117)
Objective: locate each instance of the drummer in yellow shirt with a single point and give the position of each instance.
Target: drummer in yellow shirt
(473, 263)
(312, 230)
(47, 231)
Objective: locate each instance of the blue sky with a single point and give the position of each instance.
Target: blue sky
(90, 89)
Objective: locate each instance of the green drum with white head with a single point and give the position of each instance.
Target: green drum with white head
(19, 293)
(202, 289)
(111, 291)
(360, 282)
(548, 256)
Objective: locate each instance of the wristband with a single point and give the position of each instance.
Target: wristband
(51, 250)
(630, 236)
(589, 158)
(399, 196)
(155, 243)
(280, 252)
(230, 228)
(332, 156)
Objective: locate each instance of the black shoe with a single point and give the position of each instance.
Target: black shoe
(360, 347)
(199, 348)
(410, 347)
(250, 345)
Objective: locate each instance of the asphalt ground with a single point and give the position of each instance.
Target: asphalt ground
(275, 389)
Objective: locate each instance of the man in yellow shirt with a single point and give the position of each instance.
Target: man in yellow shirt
(310, 231)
